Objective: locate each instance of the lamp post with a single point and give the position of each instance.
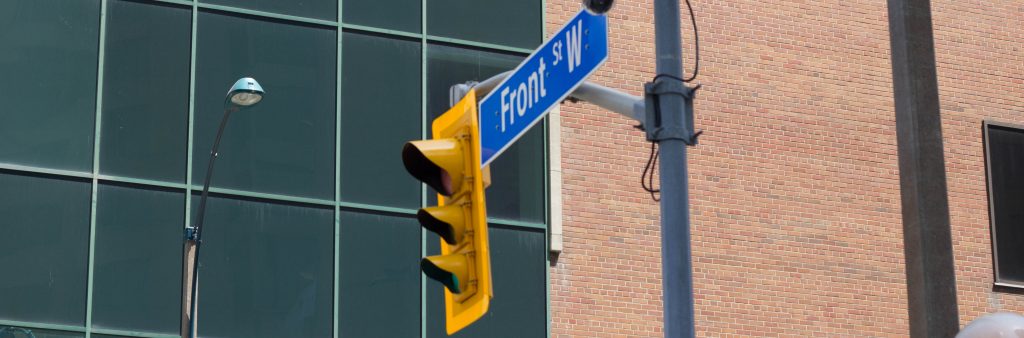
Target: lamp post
(246, 92)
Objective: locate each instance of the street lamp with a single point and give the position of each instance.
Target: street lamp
(246, 92)
(994, 325)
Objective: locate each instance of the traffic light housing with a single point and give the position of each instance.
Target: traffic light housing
(450, 164)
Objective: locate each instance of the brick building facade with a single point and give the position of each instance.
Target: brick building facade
(794, 187)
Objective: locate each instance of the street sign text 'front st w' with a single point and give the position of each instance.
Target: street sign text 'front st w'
(542, 81)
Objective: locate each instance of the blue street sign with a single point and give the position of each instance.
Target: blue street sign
(541, 81)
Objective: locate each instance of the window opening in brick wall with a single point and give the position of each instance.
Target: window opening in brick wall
(1004, 157)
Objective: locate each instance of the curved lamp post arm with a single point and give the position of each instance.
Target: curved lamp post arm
(244, 93)
(197, 231)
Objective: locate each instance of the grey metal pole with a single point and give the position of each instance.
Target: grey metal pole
(626, 105)
(676, 265)
(927, 241)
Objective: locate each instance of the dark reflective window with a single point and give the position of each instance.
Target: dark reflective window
(316, 9)
(380, 111)
(284, 144)
(519, 307)
(518, 175)
(401, 15)
(501, 22)
(48, 65)
(517, 189)
(1006, 187)
(138, 259)
(266, 269)
(379, 276)
(145, 91)
(45, 249)
(18, 332)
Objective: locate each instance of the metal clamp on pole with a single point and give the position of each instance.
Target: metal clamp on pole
(457, 91)
(663, 85)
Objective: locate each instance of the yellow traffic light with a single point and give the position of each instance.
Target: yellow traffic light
(450, 164)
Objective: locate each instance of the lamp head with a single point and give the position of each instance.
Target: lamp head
(246, 92)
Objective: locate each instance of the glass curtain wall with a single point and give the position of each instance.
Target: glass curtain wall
(111, 107)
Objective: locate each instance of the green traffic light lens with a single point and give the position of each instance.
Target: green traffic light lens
(449, 279)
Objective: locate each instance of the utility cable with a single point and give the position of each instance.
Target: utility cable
(696, 44)
(647, 182)
(652, 165)
(696, 51)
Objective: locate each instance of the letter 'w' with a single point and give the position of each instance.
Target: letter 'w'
(573, 37)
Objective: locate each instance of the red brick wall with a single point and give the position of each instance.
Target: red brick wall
(794, 186)
(980, 56)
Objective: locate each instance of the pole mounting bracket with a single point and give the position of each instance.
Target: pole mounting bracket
(664, 85)
(191, 234)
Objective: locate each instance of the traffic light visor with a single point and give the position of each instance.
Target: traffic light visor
(451, 270)
(438, 163)
(448, 221)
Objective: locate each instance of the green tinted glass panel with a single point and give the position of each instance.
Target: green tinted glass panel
(401, 15)
(45, 247)
(266, 270)
(517, 191)
(380, 276)
(447, 66)
(145, 91)
(517, 176)
(377, 120)
(502, 22)
(519, 307)
(48, 66)
(28, 332)
(284, 144)
(316, 9)
(137, 276)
